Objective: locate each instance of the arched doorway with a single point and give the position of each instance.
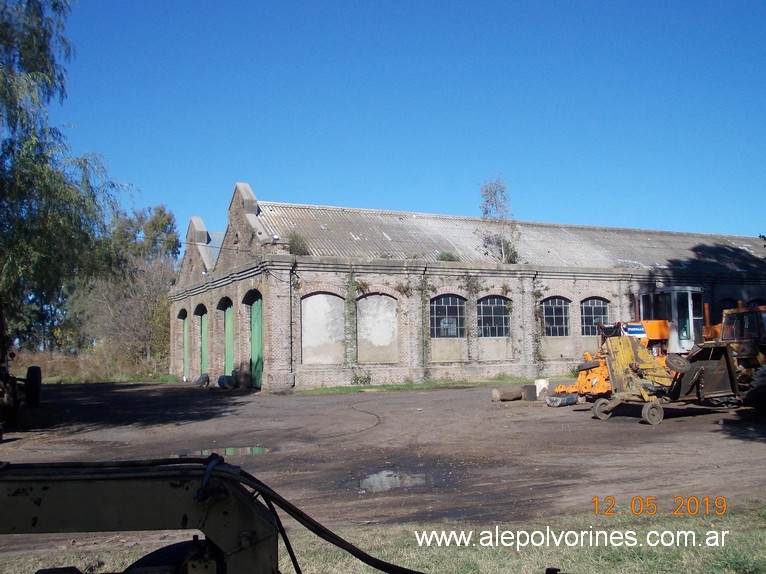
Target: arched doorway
(201, 312)
(254, 300)
(227, 308)
(183, 316)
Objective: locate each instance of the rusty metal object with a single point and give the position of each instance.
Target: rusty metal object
(148, 496)
(234, 510)
(630, 369)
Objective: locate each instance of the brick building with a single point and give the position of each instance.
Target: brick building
(299, 295)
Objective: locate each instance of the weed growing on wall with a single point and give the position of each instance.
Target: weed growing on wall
(297, 244)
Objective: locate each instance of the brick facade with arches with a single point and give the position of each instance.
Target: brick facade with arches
(374, 300)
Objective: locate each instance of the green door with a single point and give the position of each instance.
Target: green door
(228, 327)
(203, 342)
(256, 343)
(185, 328)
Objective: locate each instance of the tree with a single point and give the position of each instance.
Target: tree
(499, 237)
(129, 312)
(31, 41)
(55, 207)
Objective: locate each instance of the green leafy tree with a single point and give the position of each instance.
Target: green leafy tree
(129, 312)
(499, 237)
(55, 207)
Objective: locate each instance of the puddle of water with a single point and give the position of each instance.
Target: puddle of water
(225, 451)
(391, 479)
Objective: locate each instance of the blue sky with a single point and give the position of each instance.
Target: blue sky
(643, 114)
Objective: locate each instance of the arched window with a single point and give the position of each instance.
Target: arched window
(448, 316)
(593, 310)
(493, 317)
(377, 329)
(555, 312)
(323, 337)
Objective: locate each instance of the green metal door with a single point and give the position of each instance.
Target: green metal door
(203, 342)
(228, 327)
(185, 328)
(256, 343)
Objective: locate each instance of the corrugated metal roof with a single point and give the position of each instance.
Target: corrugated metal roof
(370, 234)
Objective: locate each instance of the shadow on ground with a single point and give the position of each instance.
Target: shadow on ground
(103, 405)
(750, 424)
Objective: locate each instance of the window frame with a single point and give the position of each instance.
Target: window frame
(556, 316)
(594, 318)
(450, 311)
(494, 309)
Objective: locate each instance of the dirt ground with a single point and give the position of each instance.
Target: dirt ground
(417, 456)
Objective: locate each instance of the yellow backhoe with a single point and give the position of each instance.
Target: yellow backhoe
(631, 366)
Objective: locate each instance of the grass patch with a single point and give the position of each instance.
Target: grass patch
(412, 386)
(90, 367)
(740, 553)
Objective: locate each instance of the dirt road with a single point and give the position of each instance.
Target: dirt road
(418, 456)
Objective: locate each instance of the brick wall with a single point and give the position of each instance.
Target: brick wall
(283, 281)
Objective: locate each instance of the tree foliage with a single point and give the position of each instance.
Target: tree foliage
(32, 47)
(498, 238)
(148, 233)
(129, 312)
(55, 207)
(494, 199)
(75, 271)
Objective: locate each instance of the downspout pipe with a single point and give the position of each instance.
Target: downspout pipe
(292, 334)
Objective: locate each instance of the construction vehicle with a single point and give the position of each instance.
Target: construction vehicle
(681, 310)
(625, 370)
(235, 511)
(641, 344)
(12, 388)
(744, 330)
(632, 366)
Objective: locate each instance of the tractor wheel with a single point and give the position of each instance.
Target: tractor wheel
(174, 558)
(588, 366)
(33, 386)
(170, 557)
(652, 412)
(759, 380)
(600, 411)
(756, 396)
(677, 363)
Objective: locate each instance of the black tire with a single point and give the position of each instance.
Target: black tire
(172, 556)
(677, 363)
(588, 366)
(652, 413)
(599, 409)
(756, 396)
(33, 387)
(759, 380)
(202, 381)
